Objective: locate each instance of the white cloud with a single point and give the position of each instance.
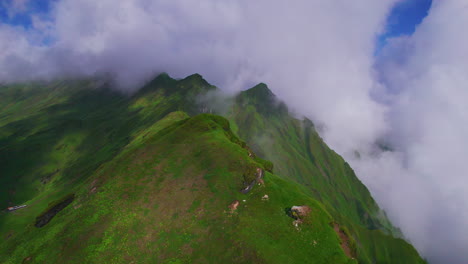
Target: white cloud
(318, 56)
(315, 49)
(15, 7)
(429, 120)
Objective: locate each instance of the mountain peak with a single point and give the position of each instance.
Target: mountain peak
(172, 167)
(259, 91)
(264, 100)
(195, 76)
(196, 79)
(162, 77)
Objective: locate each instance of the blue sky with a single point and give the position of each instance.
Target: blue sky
(324, 60)
(403, 19)
(39, 7)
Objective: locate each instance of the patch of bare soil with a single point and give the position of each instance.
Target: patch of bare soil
(27, 260)
(344, 241)
(233, 206)
(93, 186)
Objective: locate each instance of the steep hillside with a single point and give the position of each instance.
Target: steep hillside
(110, 178)
(166, 200)
(299, 154)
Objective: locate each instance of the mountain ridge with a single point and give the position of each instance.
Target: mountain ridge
(164, 115)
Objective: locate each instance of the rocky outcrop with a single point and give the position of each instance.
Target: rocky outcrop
(45, 217)
(233, 206)
(258, 178)
(300, 211)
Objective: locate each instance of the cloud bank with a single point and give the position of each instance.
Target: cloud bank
(426, 75)
(316, 55)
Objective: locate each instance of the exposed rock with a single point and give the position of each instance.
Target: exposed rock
(261, 182)
(45, 217)
(297, 222)
(259, 174)
(258, 178)
(298, 213)
(248, 188)
(301, 211)
(265, 197)
(14, 208)
(93, 187)
(233, 206)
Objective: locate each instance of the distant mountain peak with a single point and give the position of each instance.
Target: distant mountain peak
(161, 79)
(264, 100)
(198, 79)
(260, 91)
(194, 84)
(162, 76)
(195, 76)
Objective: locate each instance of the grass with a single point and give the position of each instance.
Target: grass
(133, 229)
(153, 180)
(299, 154)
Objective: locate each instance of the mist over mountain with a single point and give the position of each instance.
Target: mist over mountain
(94, 175)
(319, 57)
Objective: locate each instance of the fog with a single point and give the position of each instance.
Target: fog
(319, 57)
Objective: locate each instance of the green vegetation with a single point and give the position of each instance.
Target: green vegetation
(299, 154)
(153, 179)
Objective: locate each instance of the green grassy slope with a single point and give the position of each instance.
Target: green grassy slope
(55, 134)
(165, 200)
(152, 185)
(298, 153)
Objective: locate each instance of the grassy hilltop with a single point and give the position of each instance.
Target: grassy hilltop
(151, 178)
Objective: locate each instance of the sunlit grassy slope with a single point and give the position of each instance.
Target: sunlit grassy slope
(299, 154)
(153, 180)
